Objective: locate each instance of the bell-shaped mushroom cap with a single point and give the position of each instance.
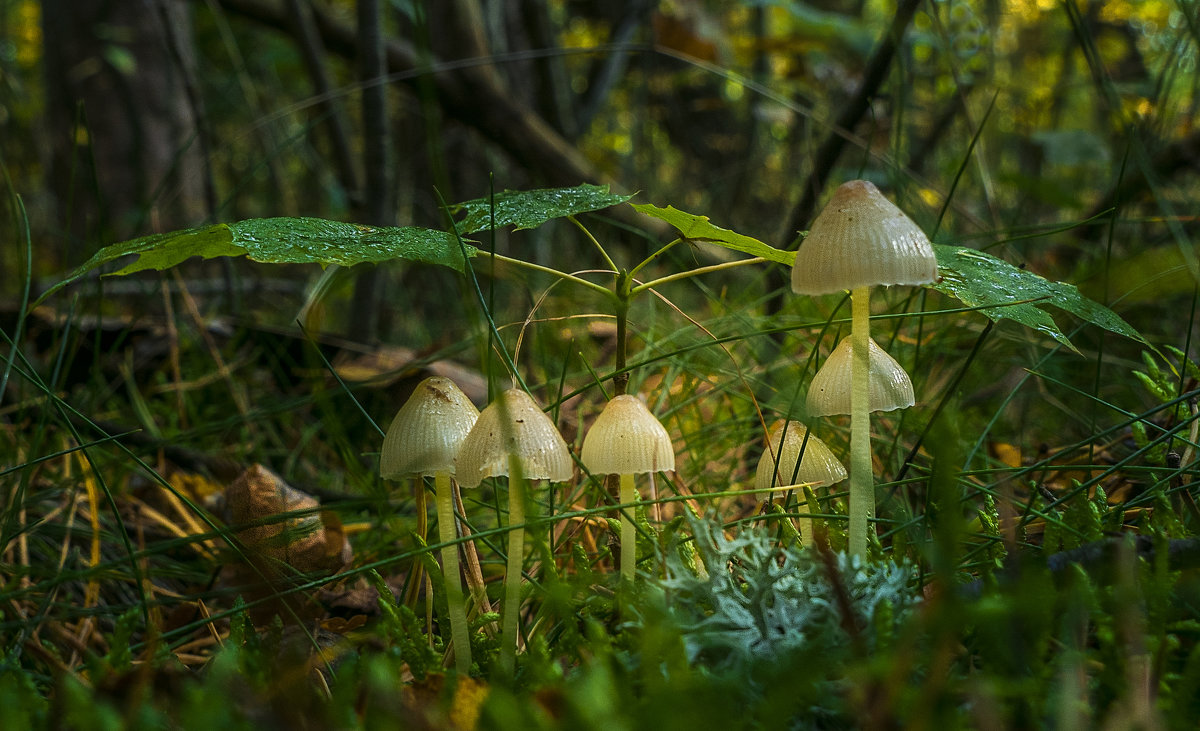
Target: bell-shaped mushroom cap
(626, 439)
(819, 466)
(428, 430)
(513, 424)
(890, 385)
(861, 239)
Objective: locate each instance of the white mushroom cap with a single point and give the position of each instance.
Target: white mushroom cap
(513, 425)
(626, 439)
(819, 466)
(890, 385)
(428, 430)
(861, 239)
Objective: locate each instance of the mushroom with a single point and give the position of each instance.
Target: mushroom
(513, 438)
(627, 440)
(423, 440)
(860, 239)
(802, 460)
(889, 386)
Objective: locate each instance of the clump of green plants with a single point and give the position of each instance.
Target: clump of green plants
(758, 601)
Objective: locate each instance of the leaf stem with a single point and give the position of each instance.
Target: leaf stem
(696, 273)
(653, 256)
(548, 270)
(607, 259)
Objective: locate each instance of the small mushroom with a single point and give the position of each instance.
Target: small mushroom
(783, 466)
(627, 440)
(513, 438)
(859, 240)
(423, 440)
(889, 386)
(513, 426)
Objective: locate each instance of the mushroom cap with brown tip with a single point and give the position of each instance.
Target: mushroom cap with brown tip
(626, 439)
(513, 425)
(891, 388)
(818, 467)
(428, 430)
(861, 239)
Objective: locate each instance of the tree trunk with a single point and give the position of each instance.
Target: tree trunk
(377, 195)
(126, 155)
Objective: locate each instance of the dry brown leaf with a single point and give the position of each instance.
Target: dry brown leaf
(285, 536)
(301, 540)
(341, 625)
(389, 364)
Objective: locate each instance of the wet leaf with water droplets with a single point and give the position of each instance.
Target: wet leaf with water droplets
(981, 280)
(320, 241)
(281, 241)
(532, 208)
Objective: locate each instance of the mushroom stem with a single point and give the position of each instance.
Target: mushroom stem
(452, 579)
(805, 524)
(512, 576)
(628, 528)
(862, 481)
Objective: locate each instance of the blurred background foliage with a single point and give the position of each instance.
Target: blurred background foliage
(124, 119)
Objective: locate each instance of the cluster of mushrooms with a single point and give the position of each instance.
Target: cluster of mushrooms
(859, 240)
(439, 433)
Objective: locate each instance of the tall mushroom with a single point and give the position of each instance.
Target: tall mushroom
(795, 457)
(859, 240)
(513, 438)
(424, 440)
(627, 440)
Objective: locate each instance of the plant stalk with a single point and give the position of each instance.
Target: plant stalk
(628, 529)
(862, 481)
(417, 579)
(474, 572)
(622, 290)
(455, 604)
(805, 524)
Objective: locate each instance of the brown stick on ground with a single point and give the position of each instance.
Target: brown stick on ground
(474, 571)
